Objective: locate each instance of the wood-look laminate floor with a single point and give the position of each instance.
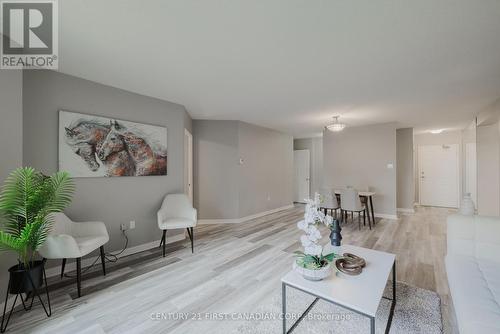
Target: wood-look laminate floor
(235, 268)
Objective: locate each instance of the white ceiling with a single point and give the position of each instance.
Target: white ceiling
(292, 64)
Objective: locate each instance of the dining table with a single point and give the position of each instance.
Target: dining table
(368, 200)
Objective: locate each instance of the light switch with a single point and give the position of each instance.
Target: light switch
(390, 166)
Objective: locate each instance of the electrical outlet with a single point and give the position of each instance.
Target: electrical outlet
(132, 224)
(123, 227)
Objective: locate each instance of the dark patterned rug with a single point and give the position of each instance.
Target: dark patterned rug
(417, 311)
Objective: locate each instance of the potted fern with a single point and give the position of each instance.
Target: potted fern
(27, 200)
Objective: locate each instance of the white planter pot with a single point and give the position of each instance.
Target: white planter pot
(313, 274)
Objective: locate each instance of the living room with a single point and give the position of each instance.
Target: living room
(250, 167)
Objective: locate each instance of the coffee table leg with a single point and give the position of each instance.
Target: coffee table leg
(393, 304)
(372, 325)
(283, 305)
(394, 282)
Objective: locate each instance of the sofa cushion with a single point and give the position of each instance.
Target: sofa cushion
(89, 244)
(173, 223)
(475, 289)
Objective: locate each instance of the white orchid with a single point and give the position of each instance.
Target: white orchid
(313, 233)
(302, 225)
(306, 242)
(314, 250)
(328, 220)
(312, 217)
(313, 257)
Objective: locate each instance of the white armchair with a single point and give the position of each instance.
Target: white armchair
(176, 212)
(71, 240)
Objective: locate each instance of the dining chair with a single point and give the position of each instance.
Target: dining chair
(364, 200)
(72, 240)
(329, 201)
(351, 204)
(176, 212)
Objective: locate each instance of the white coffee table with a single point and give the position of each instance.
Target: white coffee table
(361, 294)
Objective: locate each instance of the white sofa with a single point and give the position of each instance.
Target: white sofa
(473, 269)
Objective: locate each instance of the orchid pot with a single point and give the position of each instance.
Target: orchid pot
(314, 274)
(313, 267)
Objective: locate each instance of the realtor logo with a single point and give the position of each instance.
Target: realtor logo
(29, 34)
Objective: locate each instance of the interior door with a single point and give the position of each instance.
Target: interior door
(188, 163)
(439, 175)
(302, 175)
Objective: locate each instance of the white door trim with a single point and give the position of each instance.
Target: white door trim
(188, 161)
(419, 158)
(302, 183)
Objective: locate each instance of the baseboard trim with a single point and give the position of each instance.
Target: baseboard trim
(386, 216)
(54, 271)
(406, 210)
(244, 219)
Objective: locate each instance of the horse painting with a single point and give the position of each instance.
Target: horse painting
(83, 138)
(110, 148)
(147, 162)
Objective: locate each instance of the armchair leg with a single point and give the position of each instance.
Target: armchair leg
(79, 276)
(103, 260)
(62, 268)
(164, 238)
(191, 236)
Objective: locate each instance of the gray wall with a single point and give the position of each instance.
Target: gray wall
(111, 200)
(11, 144)
(405, 176)
(266, 176)
(224, 189)
(315, 147)
(215, 161)
(358, 157)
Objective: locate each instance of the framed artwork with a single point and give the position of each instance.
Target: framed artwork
(93, 146)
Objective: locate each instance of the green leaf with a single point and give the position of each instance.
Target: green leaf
(329, 257)
(299, 253)
(9, 242)
(27, 201)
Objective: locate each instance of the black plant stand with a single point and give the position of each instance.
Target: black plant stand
(33, 292)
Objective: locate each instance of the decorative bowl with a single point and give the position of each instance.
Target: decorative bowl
(313, 274)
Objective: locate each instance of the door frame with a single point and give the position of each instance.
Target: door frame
(188, 164)
(296, 200)
(467, 176)
(419, 171)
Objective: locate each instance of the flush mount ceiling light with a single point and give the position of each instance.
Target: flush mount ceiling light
(437, 131)
(336, 126)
